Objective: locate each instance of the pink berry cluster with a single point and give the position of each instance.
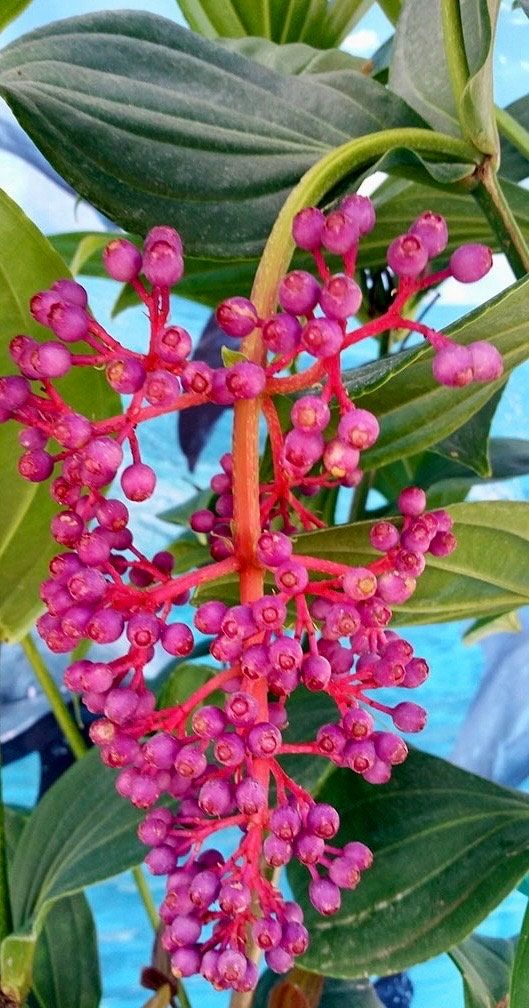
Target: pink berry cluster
(320, 625)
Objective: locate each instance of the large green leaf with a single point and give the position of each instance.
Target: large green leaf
(487, 574)
(520, 972)
(28, 264)
(294, 57)
(301, 989)
(66, 966)
(485, 965)
(10, 10)
(513, 163)
(448, 847)
(323, 23)
(415, 412)
(150, 122)
(419, 70)
(81, 832)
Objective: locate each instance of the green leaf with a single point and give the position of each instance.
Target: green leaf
(275, 991)
(513, 163)
(487, 574)
(505, 623)
(231, 357)
(415, 412)
(10, 10)
(520, 972)
(184, 679)
(419, 71)
(448, 847)
(188, 552)
(66, 966)
(156, 123)
(306, 712)
(25, 508)
(319, 22)
(181, 513)
(294, 57)
(485, 965)
(66, 846)
(469, 444)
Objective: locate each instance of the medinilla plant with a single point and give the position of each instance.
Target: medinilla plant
(223, 160)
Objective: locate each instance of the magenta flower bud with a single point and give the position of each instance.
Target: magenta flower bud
(323, 820)
(359, 583)
(360, 855)
(432, 230)
(264, 740)
(358, 428)
(68, 321)
(197, 377)
(279, 960)
(143, 630)
(359, 755)
(163, 264)
(231, 966)
(241, 709)
(185, 962)
(185, 931)
(209, 616)
(295, 938)
(453, 366)
(229, 750)
(291, 578)
(307, 228)
(310, 413)
(161, 388)
(250, 797)
(340, 459)
(190, 762)
(407, 255)
(285, 822)
(69, 290)
(383, 536)
(164, 233)
(208, 722)
(322, 337)
(215, 797)
(175, 345)
(269, 613)
(361, 210)
(72, 430)
(101, 459)
(138, 481)
(344, 873)
(340, 233)
(358, 723)
(324, 896)
(281, 333)
(202, 521)
(276, 852)
(416, 673)
(331, 740)
(470, 262)
(487, 362)
(342, 620)
(237, 317)
(340, 297)
(160, 751)
(285, 654)
(66, 527)
(51, 360)
(273, 548)
(121, 704)
(245, 380)
(14, 391)
(266, 933)
(395, 588)
(125, 375)
(122, 260)
(390, 748)
(298, 292)
(254, 661)
(302, 450)
(177, 639)
(442, 544)
(145, 792)
(411, 501)
(409, 564)
(238, 623)
(409, 717)
(36, 466)
(234, 898)
(30, 437)
(315, 672)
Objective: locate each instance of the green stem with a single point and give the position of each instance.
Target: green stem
(354, 155)
(513, 131)
(6, 921)
(146, 896)
(496, 209)
(62, 715)
(454, 48)
(520, 970)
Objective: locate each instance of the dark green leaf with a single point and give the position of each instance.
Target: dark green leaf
(67, 844)
(25, 508)
(188, 552)
(487, 574)
(520, 972)
(184, 679)
(448, 847)
(66, 966)
(293, 58)
(485, 965)
(469, 444)
(415, 412)
(419, 71)
(181, 513)
(306, 712)
(10, 10)
(506, 623)
(409, 165)
(513, 163)
(369, 377)
(151, 122)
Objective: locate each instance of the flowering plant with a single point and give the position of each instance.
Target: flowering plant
(282, 616)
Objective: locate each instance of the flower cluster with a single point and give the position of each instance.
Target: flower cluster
(320, 625)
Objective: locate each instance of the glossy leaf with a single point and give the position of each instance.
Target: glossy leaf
(66, 966)
(415, 412)
(448, 847)
(469, 444)
(513, 163)
(485, 965)
(10, 10)
(520, 972)
(65, 846)
(480, 629)
(419, 71)
(147, 133)
(182, 681)
(473, 581)
(188, 552)
(25, 508)
(294, 57)
(306, 712)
